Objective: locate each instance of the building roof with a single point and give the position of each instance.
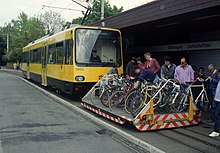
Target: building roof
(155, 10)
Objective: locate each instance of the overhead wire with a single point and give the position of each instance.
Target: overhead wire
(65, 7)
(43, 7)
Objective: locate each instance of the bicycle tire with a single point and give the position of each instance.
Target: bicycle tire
(151, 93)
(181, 107)
(105, 97)
(117, 100)
(95, 95)
(137, 104)
(130, 96)
(202, 102)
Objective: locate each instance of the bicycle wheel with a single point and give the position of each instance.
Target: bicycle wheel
(137, 105)
(152, 92)
(129, 99)
(117, 100)
(171, 105)
(157, 98)
(181, 102)
(95, 95)
(202, 102)
(105, 97)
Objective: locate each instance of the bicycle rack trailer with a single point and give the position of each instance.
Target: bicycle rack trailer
(146, 119)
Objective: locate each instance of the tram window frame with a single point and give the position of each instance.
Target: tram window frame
(51, 54)
(68, 51)
(31, 56)
(39, 55)
(35, 56)
(59, 52)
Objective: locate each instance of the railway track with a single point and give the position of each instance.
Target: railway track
(196, 141)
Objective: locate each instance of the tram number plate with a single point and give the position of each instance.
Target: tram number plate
(79, 69)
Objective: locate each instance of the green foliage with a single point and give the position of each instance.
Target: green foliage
(26, 29)
(22, 31)
(96, 12)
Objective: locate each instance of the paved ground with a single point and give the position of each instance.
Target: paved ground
(32, 123)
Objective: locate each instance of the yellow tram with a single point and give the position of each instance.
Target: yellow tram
(73, 59)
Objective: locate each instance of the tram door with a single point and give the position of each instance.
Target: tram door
(28, 66)
(44, 65)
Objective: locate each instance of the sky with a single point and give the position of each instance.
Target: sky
(10, 9)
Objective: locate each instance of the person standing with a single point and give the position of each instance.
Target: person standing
(130, 67)
(168, 69)
(184, 72)
(139, 63)
(215, 132)
(114, 69)
(213, 80)
(196, 74)
(15, 66)
(151, 63)
(201, 73)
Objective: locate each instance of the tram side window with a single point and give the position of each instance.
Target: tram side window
(68, 51)
(25, 57)
(36, 55)
(59, 52)
(52, 54)
(31, 56)
(40, 50)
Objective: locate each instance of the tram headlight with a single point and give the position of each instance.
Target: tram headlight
(79, 78)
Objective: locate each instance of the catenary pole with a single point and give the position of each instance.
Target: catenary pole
(102, 9)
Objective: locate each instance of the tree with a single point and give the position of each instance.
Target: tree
(22, 31)
(96, 15)
(2, 49)
(52, 21)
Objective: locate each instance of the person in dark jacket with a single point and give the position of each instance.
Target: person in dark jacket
(114, 69)
(213, 80)
(130, 67)
(139, 63)
(143, 74)
(216, 130)
(168, 69)
(201, 73)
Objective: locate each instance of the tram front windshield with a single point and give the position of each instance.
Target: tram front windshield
(96, 47)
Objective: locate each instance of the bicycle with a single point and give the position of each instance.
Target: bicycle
(117, 99)
(101, 92)
(198, 93)
(169, 94)
(140, 99)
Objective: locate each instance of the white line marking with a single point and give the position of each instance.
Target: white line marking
(110, 127)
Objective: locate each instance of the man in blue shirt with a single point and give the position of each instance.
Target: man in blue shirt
(213, 80)
(216, 130)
